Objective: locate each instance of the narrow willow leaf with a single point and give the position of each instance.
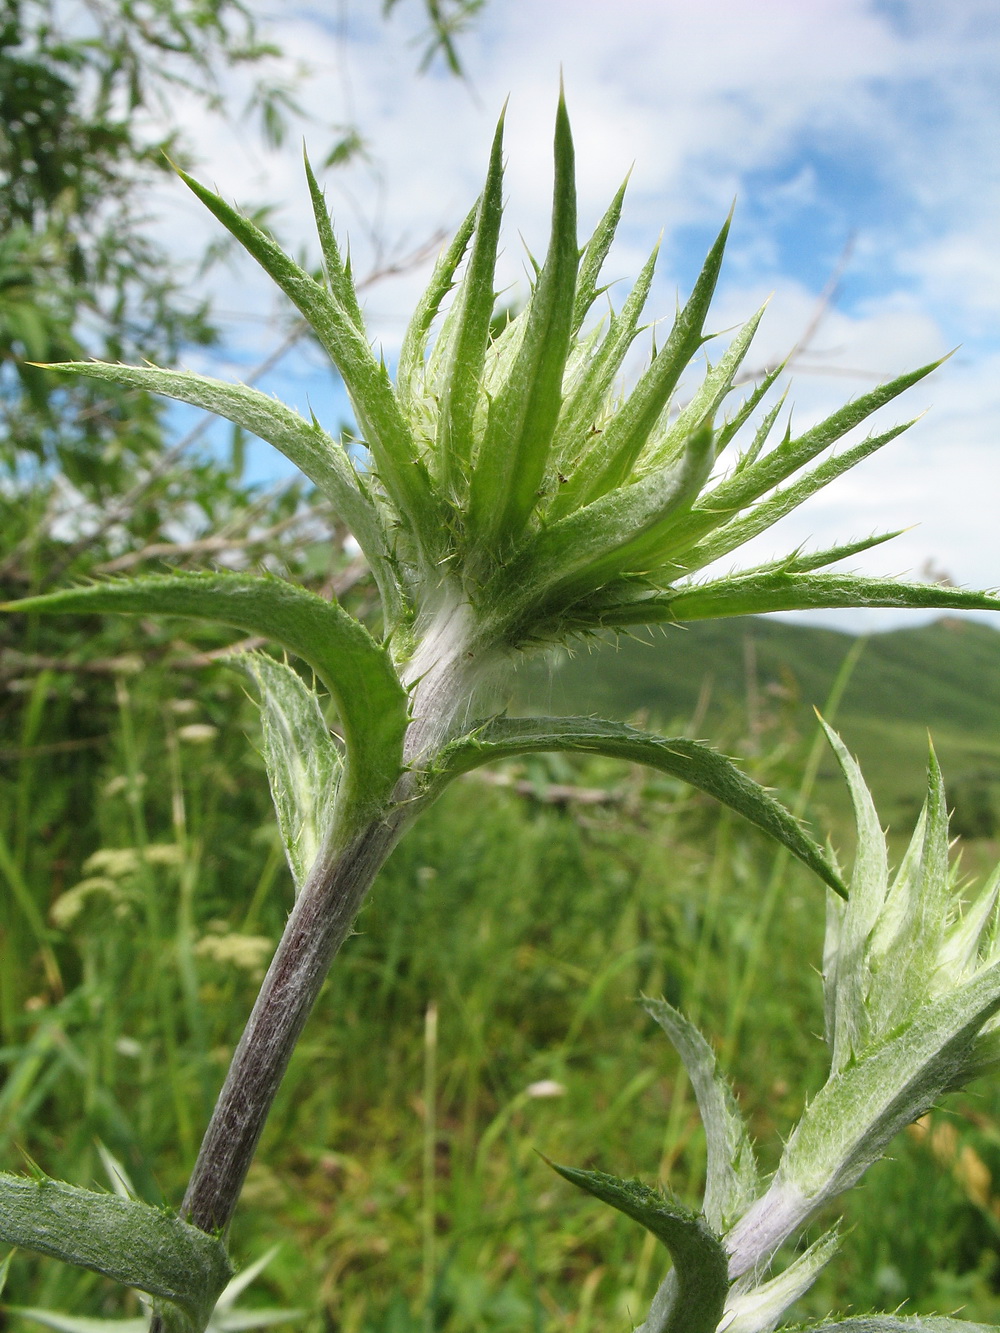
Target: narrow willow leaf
(756, 594)
(410, 372)
(474, 303)
(353, 667)
(741, 489)
(700, 1262)
(595, 252)
(697, 764)
(615, 451)
(315, 453)
(741, 530)
(614, 534)
(375, 404)
(585, 405)
(733, 1179)
(127, 1241)
(337, 274)
(511, 461)
(303, 763)
(759, 1309)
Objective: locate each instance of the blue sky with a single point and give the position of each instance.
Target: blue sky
(870, 121)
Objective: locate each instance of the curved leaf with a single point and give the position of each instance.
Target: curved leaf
(128, 1241)
(367, 382)
(887, 1323)
(510, 464)
(692, 762)
(303, 763)
(733, 1178)
(315, 453)
(353, 667)
(700, 1263)
(756, 594)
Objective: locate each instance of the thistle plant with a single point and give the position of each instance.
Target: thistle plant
(912, 998)
(510, 495)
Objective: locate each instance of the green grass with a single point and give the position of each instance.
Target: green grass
(402, 1173)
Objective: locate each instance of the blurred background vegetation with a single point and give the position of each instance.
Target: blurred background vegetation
(485, 1009)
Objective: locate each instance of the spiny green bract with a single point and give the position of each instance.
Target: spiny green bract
(508, 471)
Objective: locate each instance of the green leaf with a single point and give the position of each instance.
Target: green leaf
(123, 1239)
(854, 1116)
(700, 1262)
(886, 1323)
(410, 371)
(474, 300)
(510, 465)
(733, 1178)
(745, 486)
(586, 402)
(615, 451)
(756, 594)
(367, 382)
(846, 973)
(353, 667)
(612, 535)
(595, 252)
(315, 453)
(739, 531)
(692, 762)
(303, 763)
(714, 388)
(759, 1308)
(68, 1323)
(337, 272)
(800, 562)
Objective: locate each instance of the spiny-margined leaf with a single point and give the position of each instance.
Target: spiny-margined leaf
(510, 464)
(354, 668)
(733, 1181)
(738, 531)
(373, 398)
(700, 1262)
(595, 252)
(410, 371)
(889, 1323)
(758, 1308)
(755, 594)
(745, 410)
(745, 486)
(303, 762)
(714, 388)
(804, 562)
(623, 439)
(586, 401)
(846, 975)
(692, 762)
(474, 312)
(851, 1121)
(127, 1241)
(338, 274)
(315, 453)
(608, 537)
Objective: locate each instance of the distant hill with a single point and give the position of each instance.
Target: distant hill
(735, 680)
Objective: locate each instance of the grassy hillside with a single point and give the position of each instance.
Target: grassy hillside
(740, 680)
